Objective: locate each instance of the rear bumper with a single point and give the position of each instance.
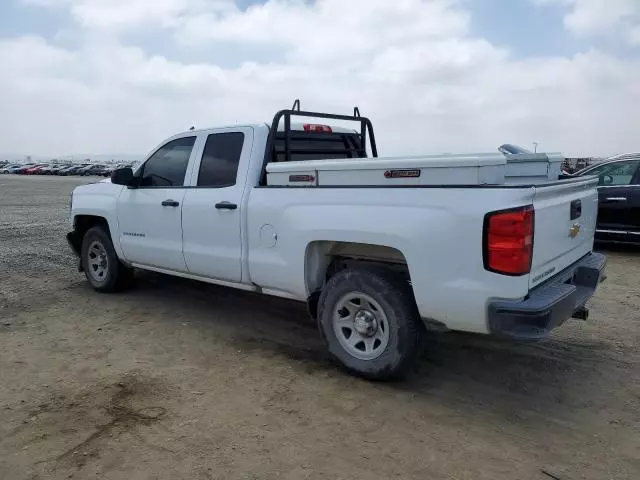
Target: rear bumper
(551, 304)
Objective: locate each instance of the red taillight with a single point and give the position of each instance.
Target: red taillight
(312, 127)
(508, 241)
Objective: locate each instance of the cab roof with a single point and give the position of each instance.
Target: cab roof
(295, 126)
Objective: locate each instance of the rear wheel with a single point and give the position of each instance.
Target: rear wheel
(370, 322)
(104, 271)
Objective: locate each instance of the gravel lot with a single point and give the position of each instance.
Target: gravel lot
(179, 380)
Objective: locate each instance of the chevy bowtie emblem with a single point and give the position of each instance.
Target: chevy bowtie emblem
(574, 230)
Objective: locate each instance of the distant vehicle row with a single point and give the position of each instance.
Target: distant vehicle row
(83, 169)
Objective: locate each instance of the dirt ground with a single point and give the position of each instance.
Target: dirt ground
(180, 380)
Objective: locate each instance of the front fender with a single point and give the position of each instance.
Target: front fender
(99, 200)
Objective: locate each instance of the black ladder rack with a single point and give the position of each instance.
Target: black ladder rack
(353, 148)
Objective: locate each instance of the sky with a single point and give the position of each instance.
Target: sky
(105, 76)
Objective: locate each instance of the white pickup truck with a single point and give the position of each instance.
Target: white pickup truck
(382, 250)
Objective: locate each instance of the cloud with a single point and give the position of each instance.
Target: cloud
(634, 35)
(123, 14)
(601, 17)
(413, 66)
(305, 25)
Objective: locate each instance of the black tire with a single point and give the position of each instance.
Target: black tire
(394, 296)
(117, 276)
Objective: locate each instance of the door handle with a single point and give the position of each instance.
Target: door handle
(615, 199)
(170, 203)
(226, 206)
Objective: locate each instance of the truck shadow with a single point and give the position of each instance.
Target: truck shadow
(475, 371)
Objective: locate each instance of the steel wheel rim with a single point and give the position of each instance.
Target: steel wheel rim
(361, 326)
(97, 262)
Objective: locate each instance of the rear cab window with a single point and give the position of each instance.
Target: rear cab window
(220, 160)
(318, 146)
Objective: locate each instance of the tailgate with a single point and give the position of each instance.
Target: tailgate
(565, 222)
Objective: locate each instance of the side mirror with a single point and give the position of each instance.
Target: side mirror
(122, 176)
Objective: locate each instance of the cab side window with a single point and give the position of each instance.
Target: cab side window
(220, 159)
(167, 167)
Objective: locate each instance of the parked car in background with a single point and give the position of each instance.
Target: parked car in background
(108, 169)
(24, 167)
(73, 169)
(97, 170)
(65, 170)
(50, 169)
(21, 169)
(80, 171)
(41, 169)
(11, 168)
(618, 198)
(35, 170)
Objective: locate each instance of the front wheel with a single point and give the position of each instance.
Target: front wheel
(370, 322)
(102, 267)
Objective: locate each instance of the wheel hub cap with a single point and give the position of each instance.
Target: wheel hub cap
(97, 262)
(361, 326)
(365, 323)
